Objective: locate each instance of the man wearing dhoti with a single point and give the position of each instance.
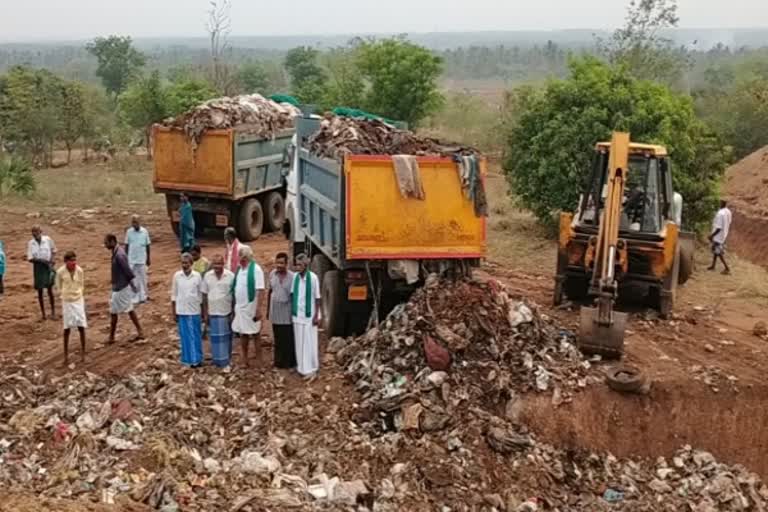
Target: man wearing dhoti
(305, 310)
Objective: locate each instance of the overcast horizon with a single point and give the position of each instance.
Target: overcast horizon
(40, 20)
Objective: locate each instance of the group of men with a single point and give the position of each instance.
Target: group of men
(222, 298)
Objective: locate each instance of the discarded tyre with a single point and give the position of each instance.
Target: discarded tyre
(626, 379)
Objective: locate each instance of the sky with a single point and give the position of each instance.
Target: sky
(31, 20)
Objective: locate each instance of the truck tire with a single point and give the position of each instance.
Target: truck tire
(274, 211)
(320, 265)
(332, 290)
(250, 220)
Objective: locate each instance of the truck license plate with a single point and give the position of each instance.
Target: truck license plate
(222, 221)
(357, 292)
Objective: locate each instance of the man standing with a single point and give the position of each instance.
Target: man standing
(305, 309)
(720, 228)
(217, 311)
(123, 289)
(41, 253)
(248, 285)
(279, 312)
(232, 256)
(186, 224)
(137, 244)
(71, 284)
(200, 263)
(186, 304)
(2, 268)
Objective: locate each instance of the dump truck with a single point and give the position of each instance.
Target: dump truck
(370, 246)
(233, 178)
(625, 241)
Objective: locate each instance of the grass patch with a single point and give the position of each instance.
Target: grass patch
(123, 180)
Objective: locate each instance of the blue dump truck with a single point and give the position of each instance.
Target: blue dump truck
(369, 245)
(232, 177)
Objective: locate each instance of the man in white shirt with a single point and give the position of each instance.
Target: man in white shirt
(137, 244)
(249, 285)
(305, 311)
(217, 311)
(720, 229)
(186, 306)
(41, 253)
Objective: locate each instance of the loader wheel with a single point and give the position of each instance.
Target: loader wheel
(251, 220)
(274, 208)
(626, 379)
(686, 266)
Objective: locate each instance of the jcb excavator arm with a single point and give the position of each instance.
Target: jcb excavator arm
(602, 328)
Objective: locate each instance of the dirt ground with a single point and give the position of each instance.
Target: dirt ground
(706, 365)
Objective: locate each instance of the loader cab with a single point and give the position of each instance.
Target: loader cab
(649, 200)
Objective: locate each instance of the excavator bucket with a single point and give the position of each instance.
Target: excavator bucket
(595, 337)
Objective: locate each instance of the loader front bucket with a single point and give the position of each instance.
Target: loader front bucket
(606, 340)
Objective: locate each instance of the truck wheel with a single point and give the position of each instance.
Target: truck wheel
(251, 220)
(333, 301)
(274, 209)
(320, 265)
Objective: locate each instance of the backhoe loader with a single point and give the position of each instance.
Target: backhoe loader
(623, 243)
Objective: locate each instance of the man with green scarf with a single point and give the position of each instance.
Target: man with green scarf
(305, 312)
(247, 288)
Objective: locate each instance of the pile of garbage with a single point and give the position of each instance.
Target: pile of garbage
(459, 343)
(339, 136)
(251, 113)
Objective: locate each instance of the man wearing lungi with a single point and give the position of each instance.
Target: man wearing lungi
(123, 289)
(186, 307)
(41, 253)
(217, 311)
(70, 282)
(279, 312)
(248, 285)
(305, 309)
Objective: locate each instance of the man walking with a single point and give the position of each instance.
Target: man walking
(137, 244)
(186, 307)
(123, 289)
(217, 311)
(232, 256)
(279, 312)
(70, 282)
(305, 310)
(248, 285)
(41, 253)
(721, 225)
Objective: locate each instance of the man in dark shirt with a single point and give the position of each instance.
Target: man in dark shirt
(123, 289)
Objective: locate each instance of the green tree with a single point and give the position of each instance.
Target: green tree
(182, 96)
(144, 103)
(253, 78)
(308, 78)
(402, 79)
(118, 61)
(346, 86)
(16, 177)
(551, 133)
(640, 46)
(30, 111)
(74, 121)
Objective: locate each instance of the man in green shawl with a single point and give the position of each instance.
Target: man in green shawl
(186, 224)
(247, 288)
(305, 312)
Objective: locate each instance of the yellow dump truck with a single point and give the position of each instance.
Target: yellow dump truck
(370, 245)
(233, 178)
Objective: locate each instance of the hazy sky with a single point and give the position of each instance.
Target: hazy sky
(78, 19)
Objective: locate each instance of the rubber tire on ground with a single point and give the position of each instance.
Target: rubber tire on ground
(250, 223)
(334, 318)
(320, 265)
(686, 266)
(274, 211)
(625, 379)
